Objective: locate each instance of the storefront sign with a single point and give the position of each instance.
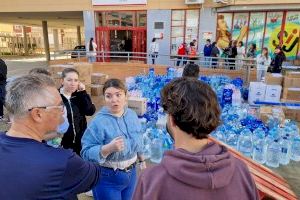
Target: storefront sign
(117, 2)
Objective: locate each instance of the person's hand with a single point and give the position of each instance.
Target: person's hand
(81, 86)
(143, 165)
(117, 144)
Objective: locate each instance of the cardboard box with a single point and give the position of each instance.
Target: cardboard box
(257, 92)
(265, 112)
(88, 89)
(273, 79)
(297, 62)
(293, 74)
(291, 94)
(139, 105)
(98, 101)
(99, 78)
(273, 93)
(85, 72)
(292, 113)
(291, 82)
(96, 90)
(54, 69)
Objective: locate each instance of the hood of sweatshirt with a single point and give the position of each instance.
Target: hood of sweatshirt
(211, 168)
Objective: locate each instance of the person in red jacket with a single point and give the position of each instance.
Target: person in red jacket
(196, 168)
(182, 52)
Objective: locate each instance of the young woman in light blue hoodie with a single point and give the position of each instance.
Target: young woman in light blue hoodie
(114, 140)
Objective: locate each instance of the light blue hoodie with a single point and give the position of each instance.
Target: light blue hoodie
(104, 128)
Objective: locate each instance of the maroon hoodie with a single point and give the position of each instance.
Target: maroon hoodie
(213, 173)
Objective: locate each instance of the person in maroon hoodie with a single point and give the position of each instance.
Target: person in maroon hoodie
(197, 168)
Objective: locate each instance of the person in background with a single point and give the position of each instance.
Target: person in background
(192, 53)
(92, 50)
(113, 139)
(231, 52)
(197, 167)
(251, 53)
(207, 52)
(182, 52)
(154, 50)
(53, 139)
(79, 105)
(191, 70)
(277, 60)
(263, 61)
(29, 168)
(3, 77)
(241, 53)
(215, 53)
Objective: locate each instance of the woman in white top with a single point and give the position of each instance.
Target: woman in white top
(263, 61)
(91, 51)
(154, 49)
(241, 52)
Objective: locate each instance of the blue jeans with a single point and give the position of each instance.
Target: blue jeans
(115, 185)
(92, 59)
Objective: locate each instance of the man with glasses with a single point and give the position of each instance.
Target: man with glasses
(30, 169)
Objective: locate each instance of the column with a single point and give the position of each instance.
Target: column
(46, 40)
(25, 43)
(78, 35)
(89, 25)
(55, 38)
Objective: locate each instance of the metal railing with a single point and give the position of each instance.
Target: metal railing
(246, 65)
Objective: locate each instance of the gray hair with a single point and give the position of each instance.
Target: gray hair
(26, 92)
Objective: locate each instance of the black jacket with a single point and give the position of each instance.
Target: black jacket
(79, 106)
(276, 63)
(3, 72)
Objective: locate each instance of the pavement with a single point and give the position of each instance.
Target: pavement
(22, 65)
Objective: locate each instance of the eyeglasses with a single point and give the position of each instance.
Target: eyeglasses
(61, 107)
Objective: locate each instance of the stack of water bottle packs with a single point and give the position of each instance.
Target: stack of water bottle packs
(272, 143)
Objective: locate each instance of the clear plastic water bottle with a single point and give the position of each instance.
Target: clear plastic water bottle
(143, 122)
(259, 146)
(295, 149)
(285, 151)
(156, 150)
(273, 154)
(245, 144)
(232, 138)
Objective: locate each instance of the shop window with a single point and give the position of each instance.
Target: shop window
(256, 30)
(223, 33)
(120, 19)
(185, 27)
(290, 38)
(142, 18)
(272, 32)
(240, 27)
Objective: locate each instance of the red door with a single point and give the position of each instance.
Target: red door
(103, 43)
(139, 43)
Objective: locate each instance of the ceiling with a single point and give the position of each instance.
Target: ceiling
(54, 19)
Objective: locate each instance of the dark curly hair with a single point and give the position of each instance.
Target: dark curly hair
(191, 70)
(193, 105)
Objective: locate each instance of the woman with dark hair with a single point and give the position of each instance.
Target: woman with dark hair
(92, 48)
(215, 52)
(78, 104)
(251, 53)
(231, 53)
(277, 60)
(114, 140)
(192, 53)
(154, 49)
(197, 168)
(263, 61)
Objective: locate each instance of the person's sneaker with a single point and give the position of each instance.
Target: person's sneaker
(89, 193)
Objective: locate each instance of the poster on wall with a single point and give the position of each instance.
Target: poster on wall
(273, 28)
(256, 30)
(290, 39)
(223, 33)
(118, 2)
(240, 27)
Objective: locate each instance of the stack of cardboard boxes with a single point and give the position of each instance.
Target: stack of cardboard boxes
(291, 93)
(98, 80)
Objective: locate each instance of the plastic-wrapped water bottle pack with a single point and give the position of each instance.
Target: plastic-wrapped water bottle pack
(241, 128)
